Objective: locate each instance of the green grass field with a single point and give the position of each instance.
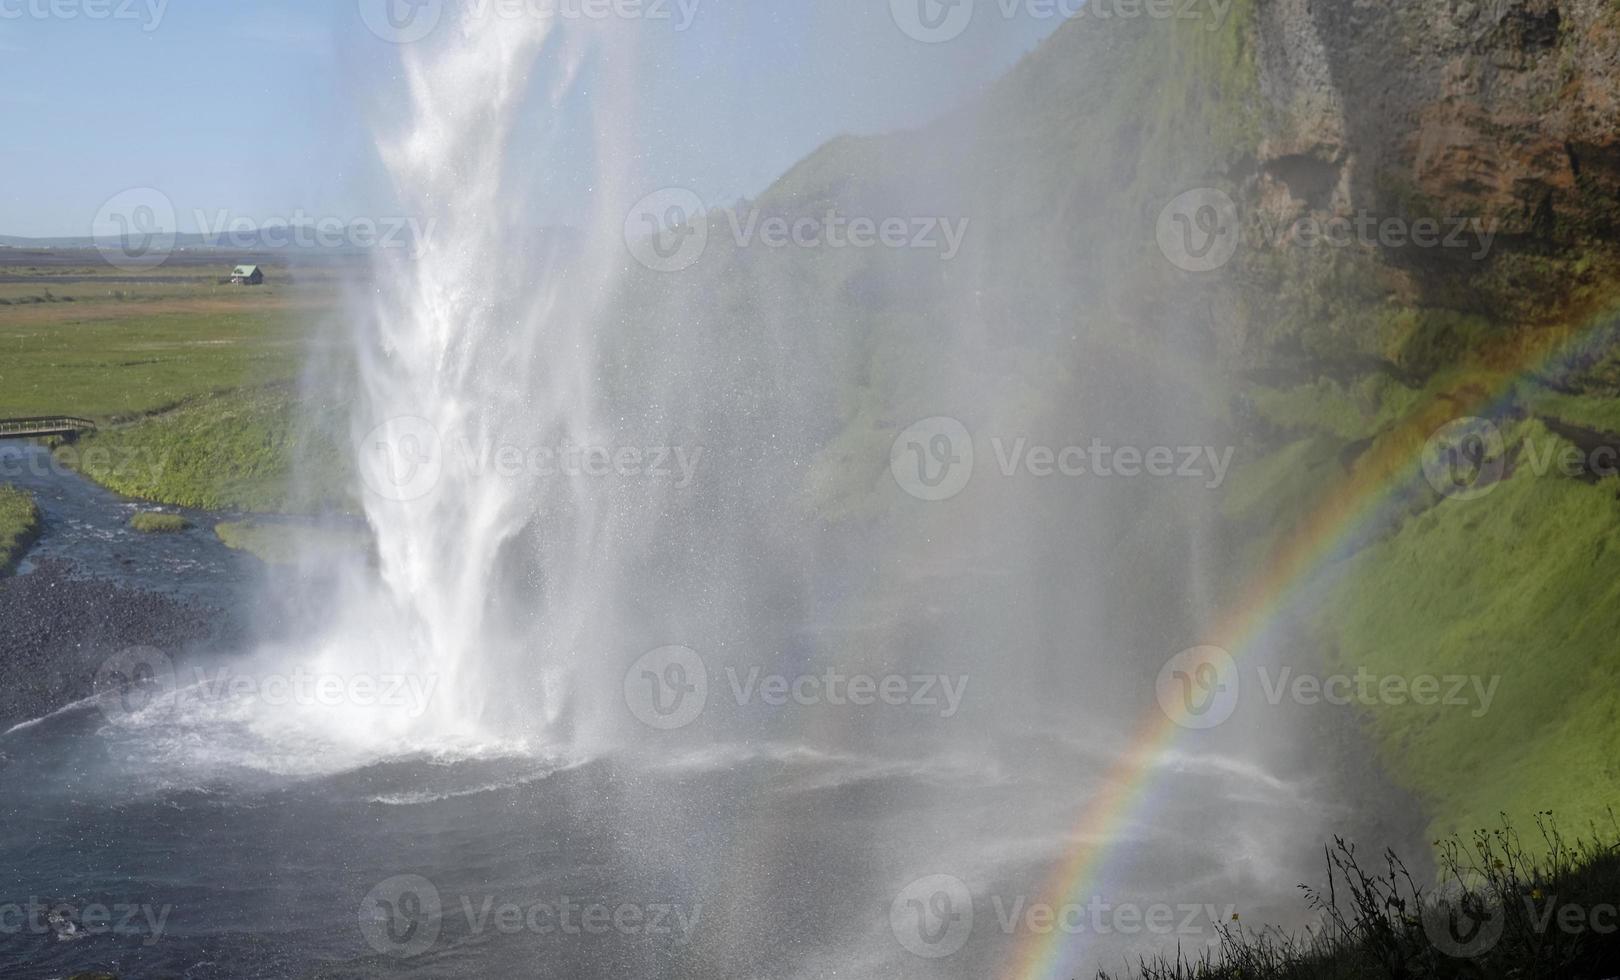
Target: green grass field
(19, 522)
(191, 382)
(123, 350)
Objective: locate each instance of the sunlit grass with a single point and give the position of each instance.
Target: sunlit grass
(19, 522)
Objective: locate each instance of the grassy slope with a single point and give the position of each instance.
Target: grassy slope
(1522, 584)
(19, 522)
(252, 449)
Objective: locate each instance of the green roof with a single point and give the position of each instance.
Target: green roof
(245, 270)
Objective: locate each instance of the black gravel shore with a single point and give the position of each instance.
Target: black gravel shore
(57, 629)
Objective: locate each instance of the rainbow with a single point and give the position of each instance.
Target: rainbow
(1391, 469)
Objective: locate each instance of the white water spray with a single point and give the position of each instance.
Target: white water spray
(465, 351)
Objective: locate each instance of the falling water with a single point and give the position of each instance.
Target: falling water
(465, 347)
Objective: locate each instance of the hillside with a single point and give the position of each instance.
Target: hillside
(1496, 124)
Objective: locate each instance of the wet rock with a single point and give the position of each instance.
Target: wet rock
(58, 628)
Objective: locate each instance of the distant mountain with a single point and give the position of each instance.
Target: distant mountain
(303, 239)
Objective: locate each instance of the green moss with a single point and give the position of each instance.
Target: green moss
(1269, 497)
(1348, 412)
(155, 523)
(1599, 412)
(19, 525)
(287, 544)
(1520, 589)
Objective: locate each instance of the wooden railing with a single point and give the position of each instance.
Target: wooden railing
(57, 425)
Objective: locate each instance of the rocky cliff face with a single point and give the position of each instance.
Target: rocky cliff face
(1504, 112)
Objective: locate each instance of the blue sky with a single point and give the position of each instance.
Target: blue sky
(263, 108)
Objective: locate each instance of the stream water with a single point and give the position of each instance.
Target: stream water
(181, 841)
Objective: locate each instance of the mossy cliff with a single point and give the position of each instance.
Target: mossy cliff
(1464, 158)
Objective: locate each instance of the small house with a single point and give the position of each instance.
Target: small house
(247, 275)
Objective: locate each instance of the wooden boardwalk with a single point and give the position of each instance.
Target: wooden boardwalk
(56, 425)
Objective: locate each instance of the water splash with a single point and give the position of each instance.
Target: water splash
(464, 348)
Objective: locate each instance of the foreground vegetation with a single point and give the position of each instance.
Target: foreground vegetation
(1544, 911)
(19, 525)
(253, 449)
(154, 523)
